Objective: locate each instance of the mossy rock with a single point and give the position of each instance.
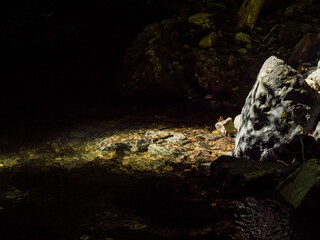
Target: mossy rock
(202, 20)
(299, 186)
(233, 174)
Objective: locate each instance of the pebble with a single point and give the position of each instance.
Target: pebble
(144, 148)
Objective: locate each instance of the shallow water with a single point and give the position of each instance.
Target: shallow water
(64, 186)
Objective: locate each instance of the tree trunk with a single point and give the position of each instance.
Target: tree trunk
(248, 14)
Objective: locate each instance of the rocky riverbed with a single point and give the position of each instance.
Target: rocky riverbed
(139, 175)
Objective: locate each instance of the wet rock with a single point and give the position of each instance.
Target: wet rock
(232, 174)
(302, 188)
(162, 150)
(155, 135)
(243, 38)
(305, 50)
(226, 127)
(203, 20)
(279, 107)
(208, 41)
(118, 147)
(176, 137)
(139, 145)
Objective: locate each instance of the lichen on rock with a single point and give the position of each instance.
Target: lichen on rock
(279, 107)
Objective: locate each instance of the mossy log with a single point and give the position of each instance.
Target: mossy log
(248, 14)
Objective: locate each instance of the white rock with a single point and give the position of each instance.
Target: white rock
(278, 108)
(237, 121)
(226, 127)
(314, 79)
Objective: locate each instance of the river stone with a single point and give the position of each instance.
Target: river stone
(314, 79)
(299, 187)
(232, 174)
(226, 127)
(316, 133)
(162, 150)
(243, 38)
(208, 41)
(140, 145)
(176, 137)
(305, 50)
(155, 135)
(280, 106)
(203, 20)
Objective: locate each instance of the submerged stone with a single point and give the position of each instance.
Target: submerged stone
(162, 150)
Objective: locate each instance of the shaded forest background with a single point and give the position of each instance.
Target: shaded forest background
(55, 53)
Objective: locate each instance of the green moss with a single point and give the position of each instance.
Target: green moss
(286, 124)
(202, 20)
(284, 117)
(296, 186)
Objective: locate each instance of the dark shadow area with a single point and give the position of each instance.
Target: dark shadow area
(56, 203)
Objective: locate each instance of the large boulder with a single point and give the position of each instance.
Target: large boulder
(148, 65)
(166, 59)
(186, 57)
(279, 112)
(209, 72)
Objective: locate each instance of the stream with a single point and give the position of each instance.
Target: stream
(129, 175)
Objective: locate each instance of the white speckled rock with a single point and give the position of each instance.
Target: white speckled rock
(280, 106)
(314, 79)
(316, 133)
